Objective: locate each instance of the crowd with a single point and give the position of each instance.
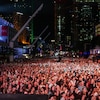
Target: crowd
(69, 79)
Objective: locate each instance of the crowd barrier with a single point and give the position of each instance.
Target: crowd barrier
(22, 97)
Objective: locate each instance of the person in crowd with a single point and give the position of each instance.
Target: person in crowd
(65, 80)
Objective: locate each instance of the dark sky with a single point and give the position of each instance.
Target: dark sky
(43, 18)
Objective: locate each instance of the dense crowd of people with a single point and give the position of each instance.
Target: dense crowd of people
(69, 79)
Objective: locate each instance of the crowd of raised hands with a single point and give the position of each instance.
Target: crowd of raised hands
(77, 79)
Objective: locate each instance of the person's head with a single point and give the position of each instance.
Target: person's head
(63, 94)
(84, 91)
(72, 88)
(77, 91)
(52, 97)
(71, 97)
(32, 90)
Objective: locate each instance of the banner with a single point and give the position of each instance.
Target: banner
(4, 33)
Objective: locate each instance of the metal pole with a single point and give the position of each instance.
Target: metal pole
(39, 36)
(47, 36)
(11, 43)
(24, 26)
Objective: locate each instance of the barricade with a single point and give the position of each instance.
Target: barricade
(22, 97)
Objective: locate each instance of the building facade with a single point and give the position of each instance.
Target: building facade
(75, 22)
(85, 16)
(97, 30)
(62, 19)
(18, 13)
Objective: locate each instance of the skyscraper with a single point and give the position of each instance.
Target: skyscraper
(75, 22)
(24, 9)
(85, 16)
(62, 18)
(18, 12)
(97, 30)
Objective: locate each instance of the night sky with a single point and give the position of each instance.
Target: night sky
(43, 18)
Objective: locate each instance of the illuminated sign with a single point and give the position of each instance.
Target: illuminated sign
(5, 23)
(3, 33)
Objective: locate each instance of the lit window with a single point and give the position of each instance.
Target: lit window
(16, 0)
(15, 5)
(59, 32)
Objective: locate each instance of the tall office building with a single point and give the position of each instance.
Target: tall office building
(23, 9)
(97, 30)
(75, 22)
(9, 6)
(19, 21)
(18, 12)
(62, 21)
(7, 32)
(85, 16)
